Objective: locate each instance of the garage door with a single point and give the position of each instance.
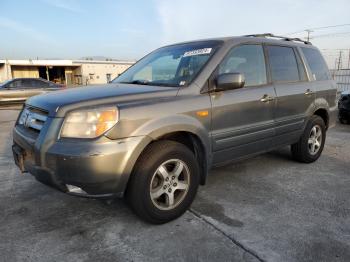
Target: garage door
(23, 71)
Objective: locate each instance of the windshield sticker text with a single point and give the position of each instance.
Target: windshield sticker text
(202, 51)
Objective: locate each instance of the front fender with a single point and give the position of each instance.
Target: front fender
(159, 127)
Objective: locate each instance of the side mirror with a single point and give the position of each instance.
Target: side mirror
(229, 81)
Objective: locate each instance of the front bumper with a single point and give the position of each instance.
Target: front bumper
(100, 168)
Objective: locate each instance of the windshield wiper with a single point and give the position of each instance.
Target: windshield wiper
(146, 82)
(138, 82)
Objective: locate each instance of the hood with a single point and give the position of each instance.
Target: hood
(56, 102)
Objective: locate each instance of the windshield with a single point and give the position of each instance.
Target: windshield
(5, 82)
(175, 65)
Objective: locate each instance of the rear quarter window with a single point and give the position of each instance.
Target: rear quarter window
(316, 63)
(39, 83)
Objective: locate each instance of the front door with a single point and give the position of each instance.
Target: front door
(243, 119)
(13, 92)
(32, 87)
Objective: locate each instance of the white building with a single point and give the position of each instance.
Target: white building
(69, 72)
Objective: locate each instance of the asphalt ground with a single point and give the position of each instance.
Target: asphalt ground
(268, 208)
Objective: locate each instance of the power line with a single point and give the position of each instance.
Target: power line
(316, 28)
(331, 34)
(330, 26)
(334, 49)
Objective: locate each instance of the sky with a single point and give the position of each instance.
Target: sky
(71, 29)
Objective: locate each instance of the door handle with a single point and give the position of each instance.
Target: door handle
(308, 92)
(267, 98)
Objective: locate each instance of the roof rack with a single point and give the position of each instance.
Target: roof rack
(284, 38)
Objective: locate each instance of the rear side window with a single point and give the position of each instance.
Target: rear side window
(27, 83)
(39, 83)
(283, 64)
(316, 63)
(248, 60)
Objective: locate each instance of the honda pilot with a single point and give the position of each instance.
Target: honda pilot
(154, 132)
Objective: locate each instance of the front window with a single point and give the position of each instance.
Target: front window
(15, 84)
(248, 60)
(175, 65)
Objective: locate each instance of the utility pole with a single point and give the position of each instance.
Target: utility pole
(339, 60)
(47, 73)
(349, 60)
(308, 34)
(335, 64)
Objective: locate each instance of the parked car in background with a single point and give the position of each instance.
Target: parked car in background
(154, 132)
(344, 107)
(18, 90)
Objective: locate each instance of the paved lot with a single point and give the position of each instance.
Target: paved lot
(264, 209)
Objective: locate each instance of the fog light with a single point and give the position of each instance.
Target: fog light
(75, 189)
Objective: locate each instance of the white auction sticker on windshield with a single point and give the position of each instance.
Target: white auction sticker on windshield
(202, 51)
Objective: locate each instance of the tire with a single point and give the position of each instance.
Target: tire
(154, 174)
(302, 151)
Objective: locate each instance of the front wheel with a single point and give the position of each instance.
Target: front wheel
(164, 182)
(310, 146)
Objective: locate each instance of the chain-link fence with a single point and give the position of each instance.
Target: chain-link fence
(342, 77)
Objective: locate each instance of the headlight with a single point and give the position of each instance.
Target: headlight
(89, 123)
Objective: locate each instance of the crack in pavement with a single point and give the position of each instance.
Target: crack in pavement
(233, 240)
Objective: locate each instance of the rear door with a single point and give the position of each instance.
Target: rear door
(295, 95)
(242, 119)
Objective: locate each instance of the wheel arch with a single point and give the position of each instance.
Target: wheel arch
(195, 144)
(185, 137)
(187, 130)
(323, 113)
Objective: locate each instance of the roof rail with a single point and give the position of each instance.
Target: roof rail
(284, 38)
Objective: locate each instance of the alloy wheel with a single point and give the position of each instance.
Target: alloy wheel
(315, 140)
(170, 184)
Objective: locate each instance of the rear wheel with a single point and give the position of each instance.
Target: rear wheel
(310, 146)
(164, 182)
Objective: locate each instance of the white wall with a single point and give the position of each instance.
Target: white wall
(5, 72)
(96, 73)
(92, 72)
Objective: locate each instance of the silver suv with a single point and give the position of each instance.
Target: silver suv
(154, 132)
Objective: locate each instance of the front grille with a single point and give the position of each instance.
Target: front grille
(33, 119)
